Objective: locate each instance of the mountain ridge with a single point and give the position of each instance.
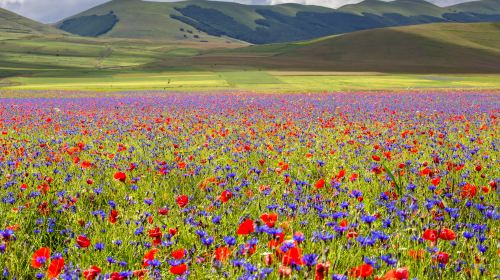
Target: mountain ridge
(257, 24)
(14, 23)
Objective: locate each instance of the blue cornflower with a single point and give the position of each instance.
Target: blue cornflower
(310, 259)
(230, 240)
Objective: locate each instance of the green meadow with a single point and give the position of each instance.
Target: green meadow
(41, 62)
(258, 81)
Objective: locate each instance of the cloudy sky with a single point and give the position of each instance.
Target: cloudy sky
(37, 9)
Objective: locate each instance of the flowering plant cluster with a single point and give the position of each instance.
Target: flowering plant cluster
(243, 186)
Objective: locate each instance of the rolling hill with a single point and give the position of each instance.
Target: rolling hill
(31, 48)
(439, 48)
(257, 24)
(402, 7)
(11, 22)
(479, 7)
(134, 19)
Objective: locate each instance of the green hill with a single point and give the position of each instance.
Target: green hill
(257, 24)
(11, 22)
(133, 19)
(480, 7)
(428, 48)
(445, 47)
(402, 7)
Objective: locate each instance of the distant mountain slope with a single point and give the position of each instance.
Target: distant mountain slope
(199, 19)
(133, 19)
(480, 7)
(445, 47)
(11, 22)
(402, 7)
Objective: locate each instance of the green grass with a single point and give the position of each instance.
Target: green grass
(430, 48)
(66, 62)
(58, 54)
(257, 81)
(402, 7)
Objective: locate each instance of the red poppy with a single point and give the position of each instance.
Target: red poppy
(397, 274)
(292, 256)
(376, 158)
(55, 268)
(225, 196)
(246, 227)
(469, 191)
(320, 183)
(163, 211)
(436, 181)
(149, 256)
(92, 272)
(178, 269)
(83, 241)
(116, 276)
(269, 218)
(388, 155)
(178, 254)
(447, 234)
(442, 257)
(120, 176)
(493, 185)
(377, 170)
(321, 271)
(112, 216)
(156, 234)
(41, 256)
(362, 271)
(341, 174)
(425, 171)
(430, 234)
(353, 177)
(343, 223)
(182, 201)
(222, 253)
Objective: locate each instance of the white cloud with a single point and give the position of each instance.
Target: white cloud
(50, 11)
(9, 2)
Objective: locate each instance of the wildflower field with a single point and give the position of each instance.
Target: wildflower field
(385, 185)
